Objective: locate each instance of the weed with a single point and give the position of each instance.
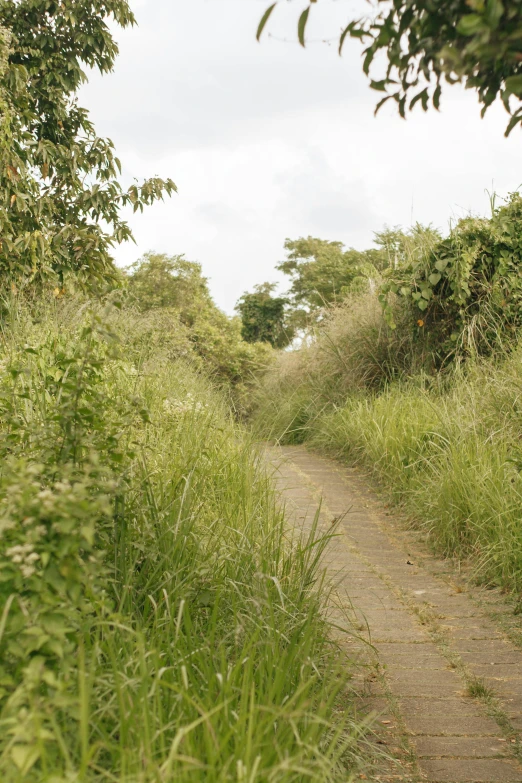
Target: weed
(156, 622)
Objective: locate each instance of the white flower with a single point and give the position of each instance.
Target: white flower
(19, 549)
(189, 405)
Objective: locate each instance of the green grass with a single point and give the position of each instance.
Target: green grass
(446, 447)
(156, 622)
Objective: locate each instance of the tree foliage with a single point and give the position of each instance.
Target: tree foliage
(323, 272)
(466, 289)
(177, 287)
(158, 280)
(263, 317)
(427, 43)
(60, 197)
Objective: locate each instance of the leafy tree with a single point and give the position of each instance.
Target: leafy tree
(159, 280)
(430, 42)
(60, 197)
(177, 287)
(263, 317)
(323, 272)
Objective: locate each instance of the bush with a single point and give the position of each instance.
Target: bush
(446, 446)
(466, 290)
(173, 288)
(352, 351)
(156, 624)
(451, 456)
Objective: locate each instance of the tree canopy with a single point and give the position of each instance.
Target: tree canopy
(323, 272)
(158, 280)
(176, 286)
(428, 43)
(263, 317)
(60, 196)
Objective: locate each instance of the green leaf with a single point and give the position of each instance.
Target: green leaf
(495, 10)
(434, 278)
(471, 24)
(436, 96)
(515, 120)
(354, 31)
(264, 19)
(382, 102)
(441, 264)
(514, 85)
(422, 304)
(205, 598)
(24, 757)
(301, 26)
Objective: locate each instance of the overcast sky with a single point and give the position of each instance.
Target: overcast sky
(268, 141)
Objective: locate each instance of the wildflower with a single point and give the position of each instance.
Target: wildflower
(19, 549)
(24, 556)
(420, 322)
(179, 407)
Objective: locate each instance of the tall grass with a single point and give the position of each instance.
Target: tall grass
(156, 622)
(447, 446)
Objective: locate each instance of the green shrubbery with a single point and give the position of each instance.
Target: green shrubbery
(173, 289)
(465, 290)
(369, 387)
(156, 624)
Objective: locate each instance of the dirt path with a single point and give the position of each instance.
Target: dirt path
(447, 680)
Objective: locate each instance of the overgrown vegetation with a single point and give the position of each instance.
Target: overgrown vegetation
(173, 287)
(156, 622)
(422, 389)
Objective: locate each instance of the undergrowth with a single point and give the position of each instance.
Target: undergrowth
(446, 446)
(156, 624)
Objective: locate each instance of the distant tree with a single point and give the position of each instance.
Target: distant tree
(323, 272)
(159, 280)
(428, 42)
(263, 317)
(60, 197)
(177, 286)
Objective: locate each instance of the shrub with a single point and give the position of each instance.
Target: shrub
(156, 624)
(171, 287)
(466, 291)
(352, 351)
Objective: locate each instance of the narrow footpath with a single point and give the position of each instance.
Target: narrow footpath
(443, 674)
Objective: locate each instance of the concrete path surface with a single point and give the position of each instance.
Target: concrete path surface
(445, 679)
